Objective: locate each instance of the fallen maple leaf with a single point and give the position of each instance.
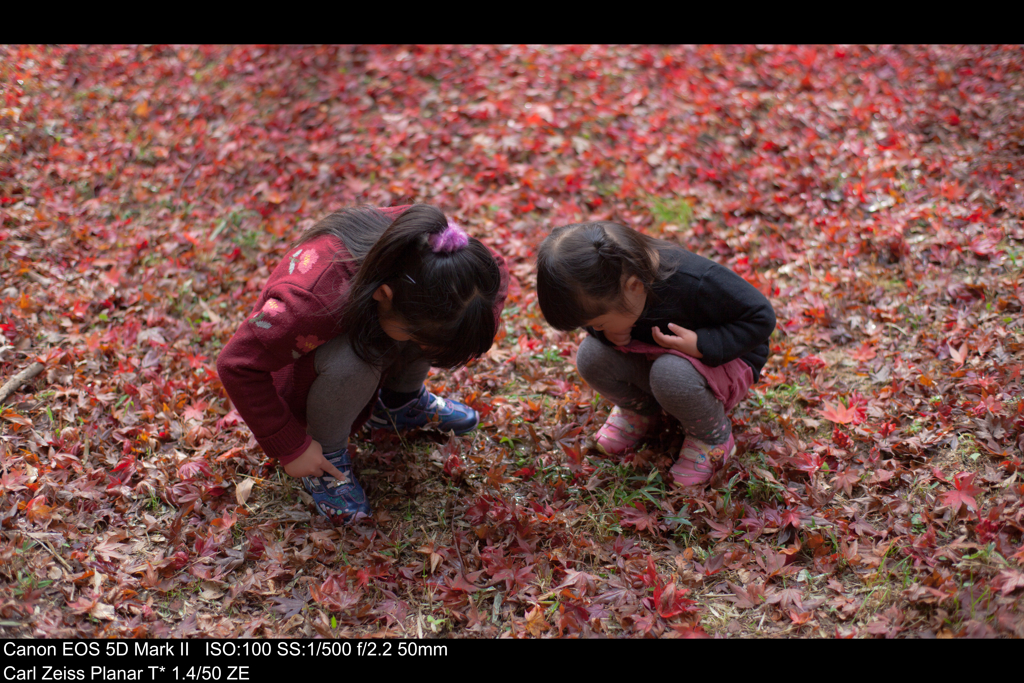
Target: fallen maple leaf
(958, 355)
(881, 476)
(14, 417)
(108, 548)
(463, 583)
(637, 515)
(864, 352)
(535, 622)
(669, 601)
(787, 598)
(747, 598)
(963, 493)
(721, 531)
(431, 553)
(840, 413)
(1008, 581)
(243, 490)
(289, 607)
(102, 610)
(38, 511)
(195, 411)
(799, 618)
(580, 581)
(334, 596)
(792, 518)
(847, 478)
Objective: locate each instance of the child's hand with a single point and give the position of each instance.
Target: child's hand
(312, 463)
(683, 340)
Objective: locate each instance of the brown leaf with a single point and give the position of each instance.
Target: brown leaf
(101, 610)
(787, 598)
(749, 597)
(38, 511)
(535, 622)
(243, 489)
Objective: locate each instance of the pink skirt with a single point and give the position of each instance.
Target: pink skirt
(729, 382)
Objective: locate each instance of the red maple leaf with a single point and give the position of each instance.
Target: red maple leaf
(959, 355)
(669, 600)
(964, 492)
(721, 531)
(799, 618)
(37, 510)
(791, 517)
(333, 595)
(787, 598)
(847, 478)
(747, 598)
(462, 583)
(864, 353)
(1008, 581)
(637, 515)
(581, 582)
(195, 411)
(840, 413)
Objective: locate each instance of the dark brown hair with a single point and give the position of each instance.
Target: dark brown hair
(581, 268)
(444, 299)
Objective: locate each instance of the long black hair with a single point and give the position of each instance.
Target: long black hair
(444, 299)
(581, 269)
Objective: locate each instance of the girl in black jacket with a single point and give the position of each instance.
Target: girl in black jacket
(668, 330)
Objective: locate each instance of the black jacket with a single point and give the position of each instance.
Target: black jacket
(732, 319)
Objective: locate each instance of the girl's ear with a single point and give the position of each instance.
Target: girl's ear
(633, 285)
(383, 294)
(634, 296)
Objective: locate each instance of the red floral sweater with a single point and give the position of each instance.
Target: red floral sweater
(267, 366)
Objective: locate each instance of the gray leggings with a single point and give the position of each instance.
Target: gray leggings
(669, 382)
(345, 383)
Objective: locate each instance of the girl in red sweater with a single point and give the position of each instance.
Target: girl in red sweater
(347, 327)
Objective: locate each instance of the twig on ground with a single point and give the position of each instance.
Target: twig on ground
(455, 542)
(46, 544)
(181, 185)
(13, 383)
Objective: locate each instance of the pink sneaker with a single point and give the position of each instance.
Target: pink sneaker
(622, 431)
(698, 461)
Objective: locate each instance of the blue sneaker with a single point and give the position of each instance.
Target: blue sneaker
(426, 410)
(343, 502)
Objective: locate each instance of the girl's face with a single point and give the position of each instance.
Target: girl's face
(617, 323)
(392, 325)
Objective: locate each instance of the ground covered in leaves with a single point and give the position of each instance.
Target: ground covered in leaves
(873, 193)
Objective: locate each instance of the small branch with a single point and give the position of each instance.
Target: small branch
(46, 544)
(13, 383)
(455, 542)
(199, 159)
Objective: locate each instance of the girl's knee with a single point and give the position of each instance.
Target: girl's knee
(338, 358)
(671, 374)
(589, 357)
(596, 361)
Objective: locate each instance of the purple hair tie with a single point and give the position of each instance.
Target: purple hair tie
(450, 239)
